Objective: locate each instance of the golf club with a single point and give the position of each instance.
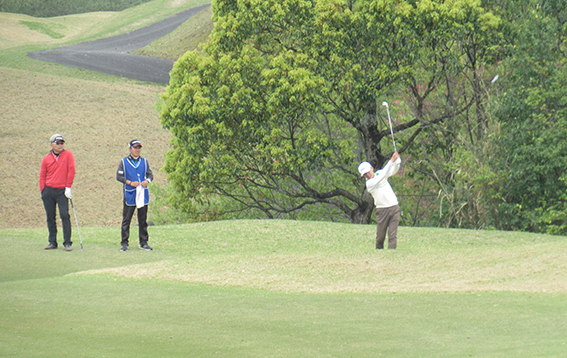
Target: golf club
(79, 230)
(390, 121)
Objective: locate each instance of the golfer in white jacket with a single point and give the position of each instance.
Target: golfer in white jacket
(387, 209)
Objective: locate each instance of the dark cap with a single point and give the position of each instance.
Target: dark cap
(134, 142)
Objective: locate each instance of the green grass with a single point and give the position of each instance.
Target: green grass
(48, 8)
(283, 289)
(45, 29)
(177, 43)
(89, 26)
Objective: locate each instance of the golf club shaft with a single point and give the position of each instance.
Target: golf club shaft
(390, 121)
(76, 221)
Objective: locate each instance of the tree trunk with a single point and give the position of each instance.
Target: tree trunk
(363, 212)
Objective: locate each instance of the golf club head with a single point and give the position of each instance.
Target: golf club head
(385, 103)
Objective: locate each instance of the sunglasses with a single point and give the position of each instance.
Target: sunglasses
(60, 143)
(137, 147)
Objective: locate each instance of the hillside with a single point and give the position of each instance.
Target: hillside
(177, 42)
(49, 8)
(97, 114)
(98, 119)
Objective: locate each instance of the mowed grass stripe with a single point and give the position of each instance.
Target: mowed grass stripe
(87, 316)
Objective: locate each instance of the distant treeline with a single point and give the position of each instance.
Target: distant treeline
(50, 8)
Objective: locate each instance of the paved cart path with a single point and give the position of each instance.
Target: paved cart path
(112, 55)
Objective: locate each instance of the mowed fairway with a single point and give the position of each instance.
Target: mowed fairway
(284, 289)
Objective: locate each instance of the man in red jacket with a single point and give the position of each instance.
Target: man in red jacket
(55, 180)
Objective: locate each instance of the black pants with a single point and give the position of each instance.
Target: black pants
(127, 214)
(51, 199)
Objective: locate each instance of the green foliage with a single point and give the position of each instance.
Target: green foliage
(450, 181)
(533, 114)
(502, 165)
(449, 178)
(50, 8)
(554, 216)
(282, 105)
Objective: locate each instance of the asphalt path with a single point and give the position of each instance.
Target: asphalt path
(112, 55)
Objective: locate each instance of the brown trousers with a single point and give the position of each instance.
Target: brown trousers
(387, 219)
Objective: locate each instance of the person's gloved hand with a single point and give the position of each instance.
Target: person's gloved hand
(68, 193)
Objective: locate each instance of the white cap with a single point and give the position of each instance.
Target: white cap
(56, 138)
(364, 168)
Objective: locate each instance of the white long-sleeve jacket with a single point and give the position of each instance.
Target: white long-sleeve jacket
(382, 192)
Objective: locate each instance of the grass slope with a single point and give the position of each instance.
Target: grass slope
(98, 114)
(98, 119)
(85, 27)
(174, 45)
(48, 8)
(284, 289)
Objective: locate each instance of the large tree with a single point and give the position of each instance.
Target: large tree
(285, 100)
(533, 115)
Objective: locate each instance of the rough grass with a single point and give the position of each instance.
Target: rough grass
(302, 257)
(15, 33)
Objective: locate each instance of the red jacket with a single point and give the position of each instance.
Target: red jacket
(57, 172)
